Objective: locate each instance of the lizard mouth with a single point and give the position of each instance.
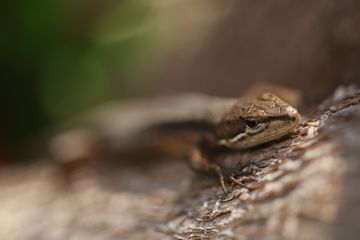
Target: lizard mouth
(272, 130)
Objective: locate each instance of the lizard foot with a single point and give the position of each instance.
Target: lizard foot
(217, 170)
(242, 180)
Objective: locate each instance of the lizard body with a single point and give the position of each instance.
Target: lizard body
(214, 124)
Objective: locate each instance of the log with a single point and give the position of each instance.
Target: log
(304, 187)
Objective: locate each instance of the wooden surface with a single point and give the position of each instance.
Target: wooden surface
(306, 187)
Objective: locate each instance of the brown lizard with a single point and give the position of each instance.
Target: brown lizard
(215, 124)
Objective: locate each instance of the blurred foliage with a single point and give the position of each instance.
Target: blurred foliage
(60, 57)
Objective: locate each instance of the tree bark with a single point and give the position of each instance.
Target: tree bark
(304, 187)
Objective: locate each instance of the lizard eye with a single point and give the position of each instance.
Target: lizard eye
(251, 123)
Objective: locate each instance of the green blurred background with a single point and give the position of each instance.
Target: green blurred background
(59, 58)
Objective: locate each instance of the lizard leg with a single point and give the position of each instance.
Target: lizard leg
(242, 180)
(251, 169)
(200, 163)
(217, 170)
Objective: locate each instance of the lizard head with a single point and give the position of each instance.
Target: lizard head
(253, 122)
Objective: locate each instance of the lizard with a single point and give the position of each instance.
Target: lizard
(215, 124)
